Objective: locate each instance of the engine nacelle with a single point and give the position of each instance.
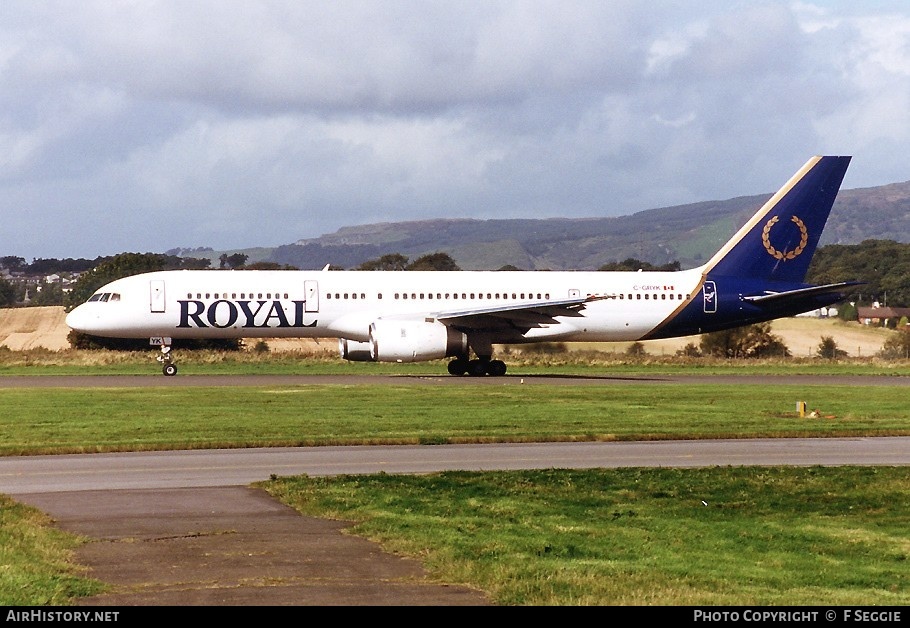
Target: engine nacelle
(355, 350)
(415, 341)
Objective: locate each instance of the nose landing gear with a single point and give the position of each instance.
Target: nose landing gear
(167, 362)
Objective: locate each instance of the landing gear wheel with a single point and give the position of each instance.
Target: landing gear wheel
(458, 366)
(477, 368)
(167, 362)
(496, 368)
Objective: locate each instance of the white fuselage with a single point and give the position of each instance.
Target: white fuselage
(343, 304)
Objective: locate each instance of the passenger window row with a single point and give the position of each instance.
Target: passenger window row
(663, 296)
(472, 295)
(233, 295)
(439, 295)
(405, 295)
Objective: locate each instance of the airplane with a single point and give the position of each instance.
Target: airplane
(413, 316)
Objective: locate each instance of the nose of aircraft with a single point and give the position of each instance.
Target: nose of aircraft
(81, 319)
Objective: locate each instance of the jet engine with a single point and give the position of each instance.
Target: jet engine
(415, 341)
(355, 350)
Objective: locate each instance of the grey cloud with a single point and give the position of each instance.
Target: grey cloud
(235, 124)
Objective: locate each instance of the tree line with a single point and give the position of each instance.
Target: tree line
(883, 266)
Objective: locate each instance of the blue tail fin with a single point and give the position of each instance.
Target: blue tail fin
(777, 244)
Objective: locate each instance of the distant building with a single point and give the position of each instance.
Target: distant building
(825, 312)
(878, 315)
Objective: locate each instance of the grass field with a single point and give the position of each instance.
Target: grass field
(718, 536)
(77, 420)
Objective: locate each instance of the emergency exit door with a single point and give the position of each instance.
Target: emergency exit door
(311, 292)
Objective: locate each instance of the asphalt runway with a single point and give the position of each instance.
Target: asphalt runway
(182, 528)
(25, 475)
(128, 381)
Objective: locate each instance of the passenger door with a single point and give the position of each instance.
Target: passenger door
(156, 295)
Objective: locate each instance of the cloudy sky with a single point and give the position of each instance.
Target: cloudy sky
(146, 125)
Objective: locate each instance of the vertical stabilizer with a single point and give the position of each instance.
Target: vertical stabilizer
(777, 244)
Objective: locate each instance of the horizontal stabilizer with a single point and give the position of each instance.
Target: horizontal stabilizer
(801, 293)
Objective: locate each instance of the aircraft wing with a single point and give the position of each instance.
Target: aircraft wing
(523, 317)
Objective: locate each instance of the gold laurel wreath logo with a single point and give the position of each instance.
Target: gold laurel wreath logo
(784, 255)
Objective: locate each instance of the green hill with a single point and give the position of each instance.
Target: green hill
(689, 234)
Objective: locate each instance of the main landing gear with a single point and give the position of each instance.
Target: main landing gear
(477, 367)
(167, 362)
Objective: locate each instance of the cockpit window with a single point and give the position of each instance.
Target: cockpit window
(105, 296)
